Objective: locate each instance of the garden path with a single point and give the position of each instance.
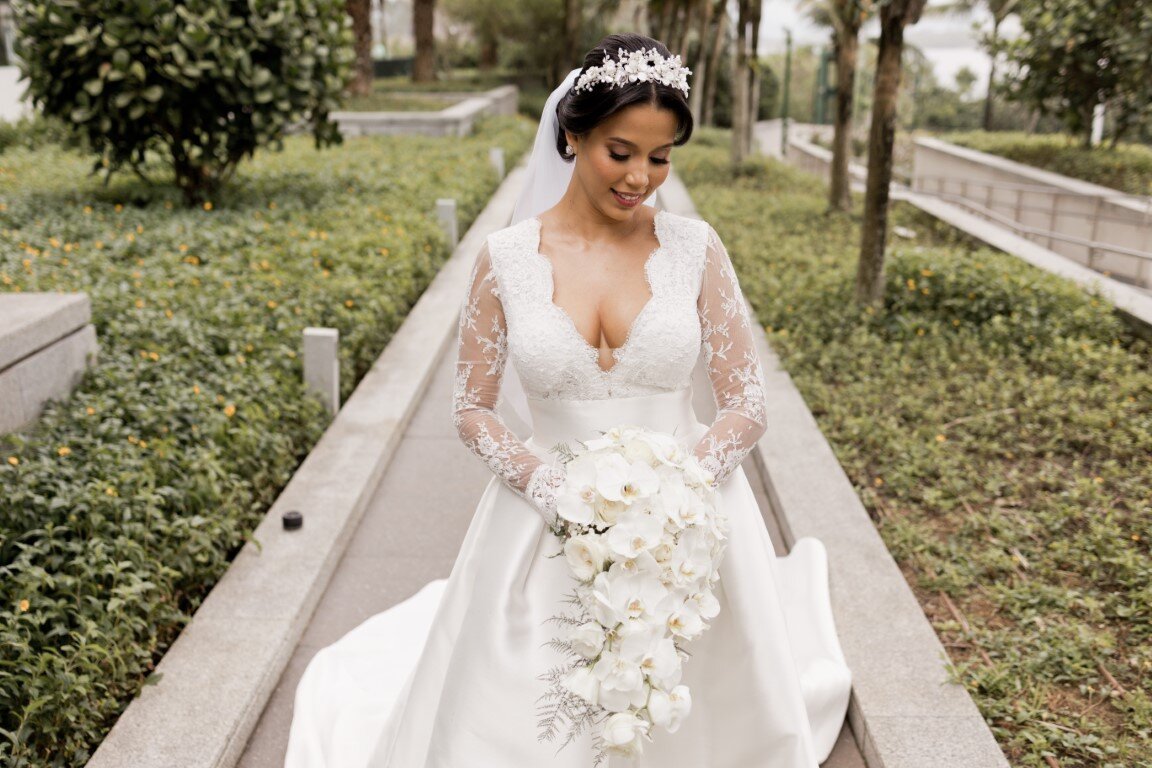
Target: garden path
(393, 554)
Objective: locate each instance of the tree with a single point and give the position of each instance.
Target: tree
(844, 17)
(1000, 11)
(360, 12)
(203, 84)
(1074, 54)
(745, 80)
(895, 15)
(423, 21)
(965, 81)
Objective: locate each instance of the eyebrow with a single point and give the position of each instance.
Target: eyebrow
(630, 144)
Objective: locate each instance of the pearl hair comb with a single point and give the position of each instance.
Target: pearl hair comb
(637, 66)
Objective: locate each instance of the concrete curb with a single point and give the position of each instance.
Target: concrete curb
(903, 712)
(215, 680)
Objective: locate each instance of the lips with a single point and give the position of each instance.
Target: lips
(626, 199)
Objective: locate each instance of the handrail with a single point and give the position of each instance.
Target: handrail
(1144, 200)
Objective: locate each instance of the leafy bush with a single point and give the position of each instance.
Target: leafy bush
(997, 422)
(206, 82)
(122, 506)
(1127, 167)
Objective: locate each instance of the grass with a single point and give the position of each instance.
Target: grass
(122, 506)
(997, 423)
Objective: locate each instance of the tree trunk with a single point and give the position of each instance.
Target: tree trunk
(874, 232)
(714, 65)
(573, 16)
(845, 44)
(991, 76)
(489, 51)
(423, 16)
(740, 83)
(754, 75)
(696, 94)
(360, 11)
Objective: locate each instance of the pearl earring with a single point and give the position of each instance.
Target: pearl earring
(568, 150)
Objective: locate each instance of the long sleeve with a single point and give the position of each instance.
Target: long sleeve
(482, 356)
(733, 366)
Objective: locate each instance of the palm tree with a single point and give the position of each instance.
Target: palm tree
(844, 18)
(746, 79)
(895, 15)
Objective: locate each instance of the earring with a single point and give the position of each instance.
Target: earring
(568, 150)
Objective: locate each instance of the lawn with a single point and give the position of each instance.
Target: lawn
(997, 423)
(122, 506)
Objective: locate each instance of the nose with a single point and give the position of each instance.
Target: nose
(637, 177)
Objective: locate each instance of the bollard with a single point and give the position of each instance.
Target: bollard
(446, 212)
(322, 365)
(496, 157)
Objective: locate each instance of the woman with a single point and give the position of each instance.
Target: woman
(603, 306)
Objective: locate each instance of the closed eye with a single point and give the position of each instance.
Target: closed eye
(622, 158)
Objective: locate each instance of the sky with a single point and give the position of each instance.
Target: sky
(949, 40)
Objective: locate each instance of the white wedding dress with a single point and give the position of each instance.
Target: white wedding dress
(450, 677)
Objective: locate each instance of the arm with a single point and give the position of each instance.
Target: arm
(483, 353)
(733, 366)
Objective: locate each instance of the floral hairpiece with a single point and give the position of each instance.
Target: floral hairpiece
(637, 66)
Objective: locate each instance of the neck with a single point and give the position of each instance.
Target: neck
(583, 219)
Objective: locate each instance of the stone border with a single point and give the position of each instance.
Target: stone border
(456, 120)
(214, 682)
(903, 711)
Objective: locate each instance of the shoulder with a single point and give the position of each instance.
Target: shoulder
(685, 235)
(516, 236)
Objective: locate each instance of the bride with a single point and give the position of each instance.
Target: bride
(602, 306)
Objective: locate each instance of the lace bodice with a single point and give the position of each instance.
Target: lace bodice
(696, 307)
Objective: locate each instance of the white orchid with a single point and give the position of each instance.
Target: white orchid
(623, 733)
(618, 479)
(668, 709)
(582, 682)
(587, 639)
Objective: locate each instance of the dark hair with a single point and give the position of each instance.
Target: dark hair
(580, 112)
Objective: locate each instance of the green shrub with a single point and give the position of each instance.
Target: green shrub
(997, 422)
(1127, 167)
(122, 506)
(204, 82)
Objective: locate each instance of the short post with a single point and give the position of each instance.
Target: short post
(322, 365)
(446, 212)
(496, 157)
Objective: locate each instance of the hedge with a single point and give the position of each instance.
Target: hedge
(122, 506)
(1127, 167)
(997, 423)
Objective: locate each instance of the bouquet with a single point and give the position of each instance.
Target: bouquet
(643, 538)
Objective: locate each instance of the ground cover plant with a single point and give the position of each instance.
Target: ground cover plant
(122, 506)
(997, 423)
(1126, 167)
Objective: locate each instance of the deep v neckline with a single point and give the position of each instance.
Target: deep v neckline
(594, 352)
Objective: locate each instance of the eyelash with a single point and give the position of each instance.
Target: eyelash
(621, 158)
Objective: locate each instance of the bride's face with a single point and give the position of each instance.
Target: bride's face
(621, 162)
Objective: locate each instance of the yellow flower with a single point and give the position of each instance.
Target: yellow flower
(240, 359)
(87, 209)
(1135, 537)
(91, 411)
(183, 248)
(272, 304)
(24, 605)
(13, 460)
(168, 313)
(911, 283)
(63, 450)
(919, 331)
(207, 206)
(52, 241)
(154, 355)
(139, 303)
(139, 229)
(926, 272)
(349, 303)
(110, 491)
(118, 207)
(195, 389)
(383, 251)
(1097, 479)
(230, 410)
(272, 206)
(130, 237)
(940, 438)
(878, 481)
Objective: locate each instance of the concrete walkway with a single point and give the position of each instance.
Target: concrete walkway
(393, 553)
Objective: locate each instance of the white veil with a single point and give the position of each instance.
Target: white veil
(546, 180)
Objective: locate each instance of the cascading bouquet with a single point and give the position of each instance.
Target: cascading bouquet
(643, 536)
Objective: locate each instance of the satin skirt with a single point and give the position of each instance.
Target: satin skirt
(450, 677)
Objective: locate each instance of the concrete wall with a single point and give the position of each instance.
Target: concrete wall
(11, 107)
(1040, 200)
(457, 120)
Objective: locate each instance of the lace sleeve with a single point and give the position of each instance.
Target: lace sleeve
(733, 366)
(483, 353)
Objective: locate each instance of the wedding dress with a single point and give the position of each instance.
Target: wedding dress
(450, 677)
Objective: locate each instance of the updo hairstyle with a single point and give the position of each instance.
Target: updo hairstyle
(578, 112)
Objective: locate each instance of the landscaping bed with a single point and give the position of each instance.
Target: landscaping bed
(1127, 167)
(997, 422)
(122, 506)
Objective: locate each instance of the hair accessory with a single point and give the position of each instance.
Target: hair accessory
(637, 66)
